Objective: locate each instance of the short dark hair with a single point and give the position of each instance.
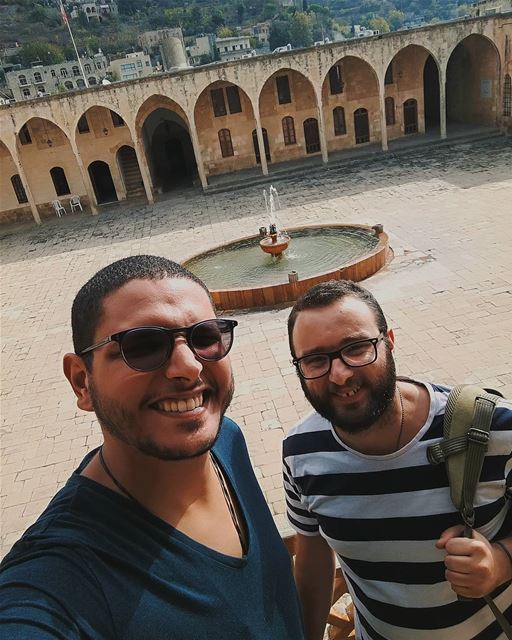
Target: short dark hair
(87, 308)
(325, 293)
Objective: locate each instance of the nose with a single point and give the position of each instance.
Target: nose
(340, 373)
(182, 362)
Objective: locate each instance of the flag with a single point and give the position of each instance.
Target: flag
(63, 13)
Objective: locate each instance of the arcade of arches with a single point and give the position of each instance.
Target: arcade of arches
(288, 115)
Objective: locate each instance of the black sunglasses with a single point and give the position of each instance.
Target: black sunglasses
(149, 348)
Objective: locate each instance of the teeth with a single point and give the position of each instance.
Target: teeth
(179, 406)
(351, 393)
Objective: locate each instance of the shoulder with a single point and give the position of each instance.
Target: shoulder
(310, 435)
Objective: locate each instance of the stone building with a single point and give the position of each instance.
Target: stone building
(41, 80)
(233, 48)
(148, 135)
(96, 10)
(132, 66)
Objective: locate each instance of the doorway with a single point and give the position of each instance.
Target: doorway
(130, 171)
(361, 126)
(311, 135)
(102, 182)
(431, 94)
(410, 116)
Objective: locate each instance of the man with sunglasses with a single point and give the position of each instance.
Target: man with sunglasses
(359, 486)
(162, 532)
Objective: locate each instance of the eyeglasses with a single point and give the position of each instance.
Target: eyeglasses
(356, 354)
(149, 348)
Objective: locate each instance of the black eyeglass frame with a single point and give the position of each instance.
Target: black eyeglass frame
(332, 355)
(186, 331)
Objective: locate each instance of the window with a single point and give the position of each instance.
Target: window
(289, 130)
(129, 66)
(226, 146)
(76, 70)
(80, 83)
(283, 90)
(26, 93)
(98, 65)
(335, 80)
(24, 134)
(83, 125)
(91, 80)
(19, 189)
(507, 96)
(233, 96)
(338, 116)
(87, 68)
(59, 181)
(117, 121)
(139, 64)
(388, 78)
(40, 90)
(54, 73)
(68, 84)
(22, 79)
(37, 77)
(219, 105)
(389, 107)
(64, 73)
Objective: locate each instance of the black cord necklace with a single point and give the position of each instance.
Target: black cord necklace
(222, 482)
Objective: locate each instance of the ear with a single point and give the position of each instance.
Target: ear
(78, 376)
(391, 339)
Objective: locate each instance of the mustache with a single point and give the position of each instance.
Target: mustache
(176, 386)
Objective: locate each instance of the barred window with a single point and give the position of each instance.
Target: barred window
(226, 146)
(283, 90)
(289, 130)
(19, 189)
(233, 96)
(338, 116)
(507, 96)
(59, 181)
(83, 125)
(117, 121)
(389, 107)
(24, 134)
(76, 70)
(64, 72)
(38, 77)
(22, 79)
(218, 102)
(335, 80)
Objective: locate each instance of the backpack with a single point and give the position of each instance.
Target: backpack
(467, 423)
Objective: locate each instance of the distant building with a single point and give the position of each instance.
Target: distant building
(203, 49)
(166, 48)
(132, 66)
(42, 80)
(261, 30)
(233, 48)
(94, 9)
(489, 7)
(361, 31)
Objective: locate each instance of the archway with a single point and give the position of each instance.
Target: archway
(102, 182)
(472, 82)
(130, 171)
(431, 94)
(257, 146)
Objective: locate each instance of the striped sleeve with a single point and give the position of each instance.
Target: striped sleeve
(299, 517)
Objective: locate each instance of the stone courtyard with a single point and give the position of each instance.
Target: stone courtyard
(447, 294)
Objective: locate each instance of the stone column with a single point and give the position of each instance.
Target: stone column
(442, 102)
(321, 128)
(383, 125)
(85, 177)
(197, 151)
(144, 169)
(28, 192)
(261, 144)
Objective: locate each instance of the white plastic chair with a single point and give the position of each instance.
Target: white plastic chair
(75, 203)
(58, 208)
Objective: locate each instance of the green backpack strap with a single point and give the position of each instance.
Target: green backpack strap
(466, 427)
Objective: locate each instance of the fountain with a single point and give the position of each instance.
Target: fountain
(276, 240)
(240, 276)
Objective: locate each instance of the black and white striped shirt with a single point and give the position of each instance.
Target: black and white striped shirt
(382, 515)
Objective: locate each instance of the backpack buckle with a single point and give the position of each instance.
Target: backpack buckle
(478, 436)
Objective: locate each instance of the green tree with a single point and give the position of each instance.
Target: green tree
(301, 34)
(225, 32)
(379, 24)
(240, 12)
(269, 10)
(396, 19)
(279, 35)
(47, 52)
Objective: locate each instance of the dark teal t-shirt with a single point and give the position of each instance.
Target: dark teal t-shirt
(96, 566)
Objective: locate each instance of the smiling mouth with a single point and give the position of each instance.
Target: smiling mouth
(349, 393)
(179, 406)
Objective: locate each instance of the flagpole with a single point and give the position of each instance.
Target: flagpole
(66, 21)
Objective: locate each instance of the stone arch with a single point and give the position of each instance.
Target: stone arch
(413, 73)
(473, 82)
(352, 83)
(286, 93)
(14, 200)
(225, 105)
(164, 128)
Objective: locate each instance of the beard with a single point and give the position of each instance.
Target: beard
(121, 423)
(382, 392)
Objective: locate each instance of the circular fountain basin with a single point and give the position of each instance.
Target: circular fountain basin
(240, 276)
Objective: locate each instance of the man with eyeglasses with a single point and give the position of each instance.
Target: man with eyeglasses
(359, 487)
(163, 532)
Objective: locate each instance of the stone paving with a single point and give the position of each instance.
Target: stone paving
(447, 294)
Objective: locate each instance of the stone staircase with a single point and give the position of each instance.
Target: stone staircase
(131, 173)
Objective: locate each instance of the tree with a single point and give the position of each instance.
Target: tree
(270, 9)
(396, 19)
(47, 52)
(301, 34)
(225, 32)
(240, 12)
(279, 35)
(379, 24)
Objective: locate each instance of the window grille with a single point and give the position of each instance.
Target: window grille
(289, 131)
(507, 96)
(226, 146)
(338, 116)
(218, 102)
(233, 96)
(283, 90)
(335, 80)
